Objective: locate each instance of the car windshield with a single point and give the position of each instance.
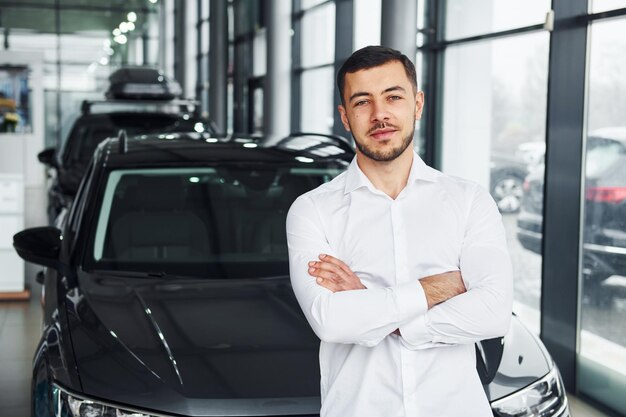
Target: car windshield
(90, 131)
(213, 222)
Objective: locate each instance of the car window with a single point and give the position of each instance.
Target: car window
(226, 221)
(601, 155)
(79, 202)
(90, 131)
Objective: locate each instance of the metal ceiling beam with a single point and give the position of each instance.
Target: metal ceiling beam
(93, 8)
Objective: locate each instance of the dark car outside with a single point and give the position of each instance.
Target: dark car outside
(604, 226)
(167, 291)
(138, 100)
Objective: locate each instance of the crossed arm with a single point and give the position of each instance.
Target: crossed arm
(437, 310)
(334, 275)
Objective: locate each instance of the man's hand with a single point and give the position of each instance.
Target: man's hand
(333, 274)
(441, 287)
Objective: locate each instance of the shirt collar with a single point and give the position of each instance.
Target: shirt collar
(355, 178)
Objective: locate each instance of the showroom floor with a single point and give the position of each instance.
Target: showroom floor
(20, 327)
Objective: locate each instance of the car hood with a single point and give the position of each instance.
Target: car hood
(220, 347)
(209, 347)
(524, 360)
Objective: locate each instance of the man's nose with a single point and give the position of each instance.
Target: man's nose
(380, 111)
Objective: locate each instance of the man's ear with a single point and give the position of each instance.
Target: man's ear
(344, 117)
(419, 104)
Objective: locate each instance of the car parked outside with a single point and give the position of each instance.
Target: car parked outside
(167, 293)
(604, 227)
(508, 171)
(506, 180)
(138, 100)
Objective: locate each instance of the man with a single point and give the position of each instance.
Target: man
(399, 269)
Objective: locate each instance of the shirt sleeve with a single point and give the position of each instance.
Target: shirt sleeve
(362, 317)
(484, 310)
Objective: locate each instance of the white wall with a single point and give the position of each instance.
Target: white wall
(18, 160)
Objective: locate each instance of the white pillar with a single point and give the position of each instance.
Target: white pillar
(191, 49)
(166, 37)
(277, 94)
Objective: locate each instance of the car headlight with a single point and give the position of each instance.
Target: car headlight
(543, 398)
(66, 404)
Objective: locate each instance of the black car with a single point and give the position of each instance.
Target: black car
(167, 291)
(139, 100)
(604, 233)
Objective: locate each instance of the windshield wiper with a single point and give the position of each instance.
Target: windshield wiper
(136, 274)
(166, 276)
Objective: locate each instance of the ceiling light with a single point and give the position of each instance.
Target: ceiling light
(117, 32)
(130, 26)
(124, 27)
(153, 1)
(104, 60)
(121, 39)
(132, 17)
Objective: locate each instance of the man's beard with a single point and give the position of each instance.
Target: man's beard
(385, 155)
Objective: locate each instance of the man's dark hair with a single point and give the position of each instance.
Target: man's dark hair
(370, 57)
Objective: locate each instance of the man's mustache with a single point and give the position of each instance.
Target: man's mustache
(379, 126)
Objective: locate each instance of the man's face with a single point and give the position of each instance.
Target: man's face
(380, 110)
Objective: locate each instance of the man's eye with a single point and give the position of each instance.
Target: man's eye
(360, 103)
(394, 98)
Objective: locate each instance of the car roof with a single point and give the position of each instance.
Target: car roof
(197, 148)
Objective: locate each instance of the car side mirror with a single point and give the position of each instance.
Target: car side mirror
(39, 245)
(47, 156)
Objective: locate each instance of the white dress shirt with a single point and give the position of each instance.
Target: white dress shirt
(436, 224)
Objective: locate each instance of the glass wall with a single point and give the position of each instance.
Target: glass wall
(82, 43)
(493, 129)
(316, 72)
(318, 87)
(602, 355)
(465, 18)
(598, 6)
(494, 71)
